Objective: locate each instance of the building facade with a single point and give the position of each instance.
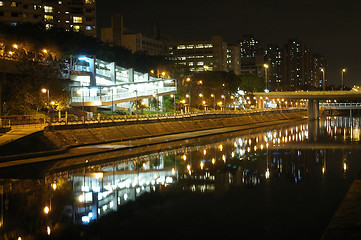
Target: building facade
(252, 57)
(71, 15)
(116, 35)
(199, 56)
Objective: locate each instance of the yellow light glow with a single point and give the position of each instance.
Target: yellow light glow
(184, 157)
(54, 186)
(265, 65)
(46, 209)
(48, 231)
(15, 46)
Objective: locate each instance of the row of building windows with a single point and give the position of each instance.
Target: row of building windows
(192, 46)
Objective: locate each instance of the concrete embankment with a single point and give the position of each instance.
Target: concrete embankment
(60, 138)
(75, 135)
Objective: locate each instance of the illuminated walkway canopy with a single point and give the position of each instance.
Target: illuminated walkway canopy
(99, 83)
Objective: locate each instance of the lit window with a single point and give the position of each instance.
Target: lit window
(181, 47)
(60, 2)
(88, 1)
(190, 46)
(48, 18)
(76, 28)
(13, 4)
(48, 26)
(200, 63)
(1, 3)
(77, 19)
(88, 28)
(48, 9)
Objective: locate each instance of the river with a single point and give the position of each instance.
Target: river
(282, 182)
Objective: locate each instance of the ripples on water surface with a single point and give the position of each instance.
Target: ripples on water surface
(285, 182)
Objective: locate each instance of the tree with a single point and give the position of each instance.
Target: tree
(251, 83)
(36, 71)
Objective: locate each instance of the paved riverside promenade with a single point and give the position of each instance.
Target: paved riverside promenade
(18, 132)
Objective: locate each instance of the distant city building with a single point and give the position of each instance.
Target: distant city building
(274, 56)
(199, 56)
(71, 15)
(117, 35)
(318, 62)
(234, 59)
(252, 58)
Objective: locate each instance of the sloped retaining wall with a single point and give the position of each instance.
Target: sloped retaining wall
(90, 134)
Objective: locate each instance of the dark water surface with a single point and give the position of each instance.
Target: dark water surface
(280, 183)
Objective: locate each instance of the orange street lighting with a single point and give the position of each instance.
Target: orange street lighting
(323, 79)
(265, 74)
(342, 72)
(15, 46)
(45, 51)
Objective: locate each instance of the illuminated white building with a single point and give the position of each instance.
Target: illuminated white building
(96, 83)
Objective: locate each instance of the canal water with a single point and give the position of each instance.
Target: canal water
(282, 182)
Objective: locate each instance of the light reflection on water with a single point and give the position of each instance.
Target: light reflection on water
(245, 162)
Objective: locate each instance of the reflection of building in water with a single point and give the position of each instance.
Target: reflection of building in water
(213, 167)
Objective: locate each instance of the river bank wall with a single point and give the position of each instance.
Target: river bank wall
(59, 137)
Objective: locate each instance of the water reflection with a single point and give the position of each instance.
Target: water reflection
(247, 161)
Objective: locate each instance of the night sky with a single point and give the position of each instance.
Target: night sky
(328, 28)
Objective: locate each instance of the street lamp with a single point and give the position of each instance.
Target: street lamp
(189, 107)
(214, 101)
(323, 79)
(342, 72)
(173, 96)
(224, 99)
(265, 70)
(44, 90)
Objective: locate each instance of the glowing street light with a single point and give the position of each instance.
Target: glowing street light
(342, 72)
(46, 210)
(265, 69)
(323, 79)
(214, 101)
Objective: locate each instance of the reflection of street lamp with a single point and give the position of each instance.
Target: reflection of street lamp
(265, 70)
(342, 72)
(323, 79)
(214, 101)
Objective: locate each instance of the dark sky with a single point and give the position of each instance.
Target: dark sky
(328, 28)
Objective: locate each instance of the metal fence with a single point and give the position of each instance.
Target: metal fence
(28, 121)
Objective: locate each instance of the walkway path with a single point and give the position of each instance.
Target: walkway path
(17, 132)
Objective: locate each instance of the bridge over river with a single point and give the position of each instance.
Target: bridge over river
(314, 98)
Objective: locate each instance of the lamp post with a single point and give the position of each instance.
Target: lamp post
(173, 96)
(214, 101)
(44, 90)
(224, 101)
(265, 74)
(189, 96)
(342, 72)
(323, 79)
(201, 95)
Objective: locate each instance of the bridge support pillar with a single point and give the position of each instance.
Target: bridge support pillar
(313, 109)
(260, 103)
